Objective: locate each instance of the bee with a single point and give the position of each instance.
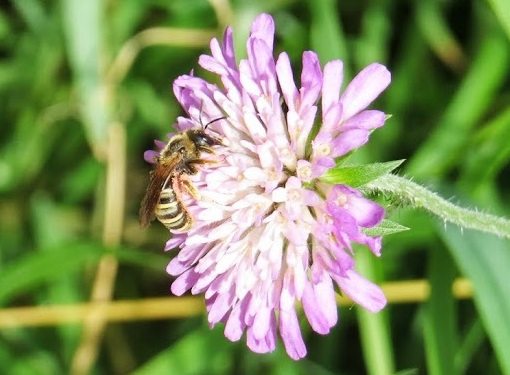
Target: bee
(178, 160)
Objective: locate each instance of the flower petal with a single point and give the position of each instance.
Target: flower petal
(363, 89)
(368, 120)
(314, 312)
(333, 77)
(263, 28)
(366, 294)
(286, 81)
(348, 141)
(291, 334)
(311, 80)
(235, 325)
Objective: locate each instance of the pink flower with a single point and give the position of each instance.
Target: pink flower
(268, 234)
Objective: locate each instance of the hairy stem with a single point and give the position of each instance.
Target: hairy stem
(420, 197)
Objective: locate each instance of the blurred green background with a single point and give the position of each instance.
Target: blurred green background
(85, 87)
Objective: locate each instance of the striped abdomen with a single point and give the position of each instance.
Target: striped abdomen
(172, 213)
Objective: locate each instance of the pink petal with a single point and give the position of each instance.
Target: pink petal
(325, 296)
(160, 144)
(150, 156)
(321, 165)
(311, 79)
(235, 325)
(211, 64)
(220, 307)
(311, 198)
(175, 241)
(263, 28)
(291, 334)
(366, 212)
(264, 345)
(331, 118)
(261, 323)
(176, 267)
(364, 88)
(184, 282)
(287, 296)
(313, 310)
(262, 64)
(365, 293)
(368, 120)
(333, 77)
(348, 141)
(375, 244)
(228, 48)
(286, 80)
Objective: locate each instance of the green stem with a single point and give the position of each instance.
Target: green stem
(420, 197)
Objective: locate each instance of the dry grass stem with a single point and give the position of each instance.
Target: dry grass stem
(96, 319)
(412, 291)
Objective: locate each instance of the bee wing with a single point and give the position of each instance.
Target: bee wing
(159, 179)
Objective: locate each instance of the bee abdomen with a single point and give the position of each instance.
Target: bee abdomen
(171, 212)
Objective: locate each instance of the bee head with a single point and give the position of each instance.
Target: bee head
(204, 141)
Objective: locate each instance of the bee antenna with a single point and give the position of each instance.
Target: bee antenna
(210, 122)
(216, 119)
(200, 115)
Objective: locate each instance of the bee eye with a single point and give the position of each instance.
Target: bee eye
(202, 141)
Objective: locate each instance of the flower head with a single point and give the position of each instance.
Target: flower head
(267, 233)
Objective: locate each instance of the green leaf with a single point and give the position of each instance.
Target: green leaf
(492, 151)
(326, 33)
(142, 258)
(359, 175)
(386, 227)
(200, 352)
(447, 142)
(409, 371)
(82, 28)
(38, 267)
(374, 329)
(439, 314)
(471, 342)
(502, 10)
(484, 259)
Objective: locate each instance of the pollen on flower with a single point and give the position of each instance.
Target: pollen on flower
(259, 207)
(285, 152)
(266, 236)
(306, 227)
(294, 195)
(280, 219)
(323, 150)
(304, 172)
(341, 200)
(271, 174)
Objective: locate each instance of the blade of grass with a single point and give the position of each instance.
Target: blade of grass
(502, 10)
(374, 330)
(484, 259)
(36, 268)
(66, 288)
(199, 352)
(476, 93)
(433, 25)
(471, 342)
(373, 43)
(439, 315)
(82, 30)
(492, 152)
(326, 34)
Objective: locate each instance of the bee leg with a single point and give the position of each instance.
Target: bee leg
(188, 186)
